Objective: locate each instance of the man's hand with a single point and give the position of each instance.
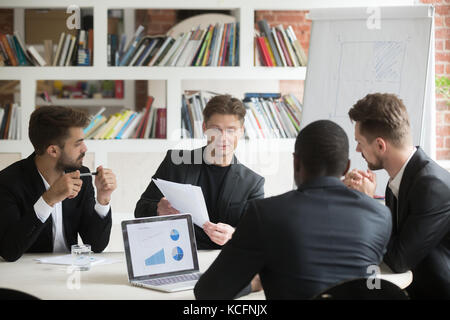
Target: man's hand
(105, 182)
(65, 187)
(219, 233)
(256, 283)
(165, 208)
(365, 182)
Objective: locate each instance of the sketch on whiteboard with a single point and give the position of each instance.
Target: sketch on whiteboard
(367, 67)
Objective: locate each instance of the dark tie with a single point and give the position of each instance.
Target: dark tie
(393, 205)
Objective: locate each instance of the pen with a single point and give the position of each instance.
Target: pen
(87, 174)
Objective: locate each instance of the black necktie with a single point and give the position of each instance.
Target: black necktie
(394, 210)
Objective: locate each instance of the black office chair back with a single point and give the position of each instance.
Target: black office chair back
(10, 294)
(358, 289)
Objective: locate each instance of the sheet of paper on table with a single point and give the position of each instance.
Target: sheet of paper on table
(68, 259)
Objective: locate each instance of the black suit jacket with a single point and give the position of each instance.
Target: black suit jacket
(421, 239)
(20, 229)
(301, 243)
(183, 166)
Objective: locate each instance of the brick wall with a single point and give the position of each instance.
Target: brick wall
(295, 19)
(442, 61)
(6, 21)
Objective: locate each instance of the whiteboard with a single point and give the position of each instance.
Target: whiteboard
(351, 54)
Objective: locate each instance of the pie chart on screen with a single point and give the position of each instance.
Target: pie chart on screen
(174, 234)
(177, 253)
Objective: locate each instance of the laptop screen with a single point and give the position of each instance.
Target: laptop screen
(159, 246)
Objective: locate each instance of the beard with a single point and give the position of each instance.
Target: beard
(67, 164)
(378, 165)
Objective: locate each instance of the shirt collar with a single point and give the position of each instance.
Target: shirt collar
(394, 184)
(47, 186)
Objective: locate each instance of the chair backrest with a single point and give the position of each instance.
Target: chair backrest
(357, 289)
(11, 294)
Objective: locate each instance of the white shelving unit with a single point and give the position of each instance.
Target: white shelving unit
(134, 167)
(245, 13)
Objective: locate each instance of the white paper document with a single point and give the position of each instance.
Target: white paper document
(68, 259)
(186, 198)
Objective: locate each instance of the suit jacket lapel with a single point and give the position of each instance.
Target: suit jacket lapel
(38, 188)
(228, 187)
(193, 170)
(417, 162)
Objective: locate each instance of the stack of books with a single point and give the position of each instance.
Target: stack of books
(270, 115)
(278, 47)
(10, 121)
(128, 124)
(70, 51)
(217, 45)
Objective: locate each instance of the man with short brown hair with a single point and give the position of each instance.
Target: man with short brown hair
(227, 185)
(45, 201)
(418, 193)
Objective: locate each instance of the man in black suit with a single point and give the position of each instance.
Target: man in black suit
(306, 240)
(418, 194)
(45, 203)
(227, 185)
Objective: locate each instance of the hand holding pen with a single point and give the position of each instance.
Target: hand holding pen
(105, 182)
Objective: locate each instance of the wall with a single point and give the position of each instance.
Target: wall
(442, 60)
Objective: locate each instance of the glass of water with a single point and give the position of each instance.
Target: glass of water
(81, 257)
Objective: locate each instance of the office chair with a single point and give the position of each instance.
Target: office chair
(357, 289)
(11, 294)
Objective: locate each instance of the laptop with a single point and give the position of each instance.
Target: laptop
(161, 252)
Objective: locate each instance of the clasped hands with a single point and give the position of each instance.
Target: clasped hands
(363, 181)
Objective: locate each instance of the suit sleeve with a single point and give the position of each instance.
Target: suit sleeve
(148, 203)
(18, 231)
(94, 228)
(238, 262)
(426, 225)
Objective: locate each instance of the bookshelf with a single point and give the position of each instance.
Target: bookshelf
(175, 78)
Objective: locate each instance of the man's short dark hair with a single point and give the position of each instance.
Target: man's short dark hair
(322, 147)
(382, 115)
(224, 104)
(50, 125)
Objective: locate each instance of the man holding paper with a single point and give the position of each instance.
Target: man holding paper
(226, 184)
(48, 198)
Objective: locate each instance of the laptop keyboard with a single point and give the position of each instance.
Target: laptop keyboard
(171, 280)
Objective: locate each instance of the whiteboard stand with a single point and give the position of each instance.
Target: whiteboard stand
(356, 51)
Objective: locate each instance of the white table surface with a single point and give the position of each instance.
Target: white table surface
(56, 282)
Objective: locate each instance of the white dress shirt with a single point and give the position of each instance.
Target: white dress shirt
(43, 211)
(394, 184)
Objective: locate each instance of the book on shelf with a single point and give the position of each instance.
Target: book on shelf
(277, 46)
(70, 50)
(148, 123)
(215, 45)
(10, 121)
(193, 103)
(270, 115)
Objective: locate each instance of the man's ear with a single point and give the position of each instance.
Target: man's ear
(381, 145)
(204, 127)
(53, 151)
(242, 131)
(348, 167)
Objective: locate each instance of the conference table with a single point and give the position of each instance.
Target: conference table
(110, 281)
